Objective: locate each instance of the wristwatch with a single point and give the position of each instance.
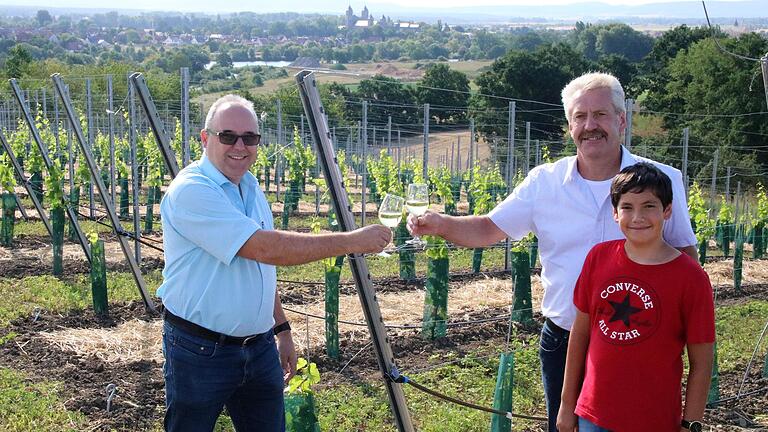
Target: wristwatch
(281, 328)
(693, 426)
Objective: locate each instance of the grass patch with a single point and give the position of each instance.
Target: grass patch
(738, 328)
(36, 228)
(25, 406)
(19, 297)
(364, 406)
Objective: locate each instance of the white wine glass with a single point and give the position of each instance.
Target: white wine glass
(390, 215)
(417, 202)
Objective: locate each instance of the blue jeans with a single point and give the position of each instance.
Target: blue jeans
(202, 376)
(587, 426)
(553, 348)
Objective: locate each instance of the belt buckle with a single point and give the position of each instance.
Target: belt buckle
(248, 339)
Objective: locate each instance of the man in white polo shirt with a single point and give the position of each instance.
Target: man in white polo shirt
(566, 205)
(220, 341)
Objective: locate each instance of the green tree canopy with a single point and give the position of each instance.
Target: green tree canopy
(43, 17)
(388, 97)
(445, 89)
(18, 63)
(712, 89)
(223, 60)
(537, 76)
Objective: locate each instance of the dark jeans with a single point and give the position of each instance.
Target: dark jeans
(553, 347)
(202, 376)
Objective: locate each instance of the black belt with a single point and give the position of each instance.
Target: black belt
(556, 328)
(211, 335)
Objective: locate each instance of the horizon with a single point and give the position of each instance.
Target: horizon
(376, 7)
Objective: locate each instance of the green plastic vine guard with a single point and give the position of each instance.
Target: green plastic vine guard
(702, 252)
(738, 258)
(99, 278)
(477, 259)
(123, 182)
(74, 203)
(502, 396)
(758, 243)
(726, 235)
(522, 311)
(332, 275)
(406, 258)
(300, 413)
(436, 299)
(57, 222)
(36, 181)
(152, 195)
(9, 219)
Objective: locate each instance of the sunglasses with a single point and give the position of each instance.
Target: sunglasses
(229, 138)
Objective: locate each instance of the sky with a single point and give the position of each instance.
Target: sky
(326, 6)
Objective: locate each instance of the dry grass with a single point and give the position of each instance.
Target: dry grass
(405, 309)
(130, 341)
(721, 272)
(139, 340)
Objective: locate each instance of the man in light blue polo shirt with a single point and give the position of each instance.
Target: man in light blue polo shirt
(566, 204)
(220, 341)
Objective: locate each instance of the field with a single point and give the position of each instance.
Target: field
(58, 357)
(355, 73)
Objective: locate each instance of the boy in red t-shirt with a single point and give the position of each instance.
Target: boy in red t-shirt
(639, 303)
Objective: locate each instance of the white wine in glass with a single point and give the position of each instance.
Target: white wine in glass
(390, 219)
(417, 202)
(390, 214)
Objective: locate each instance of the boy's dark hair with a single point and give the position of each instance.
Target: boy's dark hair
(639, 177)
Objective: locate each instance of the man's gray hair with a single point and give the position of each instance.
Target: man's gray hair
(227, 100)
(590, 81)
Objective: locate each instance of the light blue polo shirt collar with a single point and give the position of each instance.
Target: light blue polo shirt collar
(209, 170)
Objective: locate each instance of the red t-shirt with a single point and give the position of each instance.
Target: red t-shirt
(641, 317)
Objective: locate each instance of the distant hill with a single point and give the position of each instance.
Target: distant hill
(720, 11)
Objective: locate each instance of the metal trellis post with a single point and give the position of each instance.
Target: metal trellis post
(629, 104)
(59, 87)
(185, 153)
(111, 118)
(319, 126)
(364, 142)
(132, 142)
(41, 146)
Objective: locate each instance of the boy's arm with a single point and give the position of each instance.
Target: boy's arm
(700, 358)
(574, 372)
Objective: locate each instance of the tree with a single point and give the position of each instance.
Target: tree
(623, 40)
(704, 80)
(387, 97)
(619, 67)
(445, 89)
(18, 63)
(537, 76)
(655, 75)
(43, 18)
(595, 41)
(224, 60)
